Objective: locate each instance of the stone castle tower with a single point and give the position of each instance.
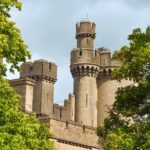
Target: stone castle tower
(45, 75)
(93, 91)
(91, 70)
(85, 70)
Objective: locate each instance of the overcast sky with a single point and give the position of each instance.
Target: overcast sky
(48, 28)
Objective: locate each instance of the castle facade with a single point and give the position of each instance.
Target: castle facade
(73, 125)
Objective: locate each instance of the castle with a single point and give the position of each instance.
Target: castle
(73, 125)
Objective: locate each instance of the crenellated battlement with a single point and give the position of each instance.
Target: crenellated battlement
(85, 56)
(85, 34)
(72, 133)
(105, 56)
(100, 57)
(46, 70)
(85, 27)
(67, 111)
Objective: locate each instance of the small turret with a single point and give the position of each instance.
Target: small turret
(85, 34)
(105, 56)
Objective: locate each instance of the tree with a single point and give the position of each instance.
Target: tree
(128, 123)
(18, 131)
(12, 46)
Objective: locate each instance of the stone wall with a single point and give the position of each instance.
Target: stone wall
(66, 112)
(24, 87)
(70, 136)
(106, 96)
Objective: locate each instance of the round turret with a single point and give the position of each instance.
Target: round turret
(85, 34)
(85, 70)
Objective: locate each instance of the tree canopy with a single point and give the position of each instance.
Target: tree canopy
(128, 123)
(12, 47)
(18, 131)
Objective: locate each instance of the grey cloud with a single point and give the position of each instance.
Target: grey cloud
(48, 27)
(138, 4)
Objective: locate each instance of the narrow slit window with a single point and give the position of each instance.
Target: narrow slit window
(31, 68)
(66, 124)
(87, 41)
(53, 110)
(80, 53)
(60, 113)
(86, 100)
(49, 67)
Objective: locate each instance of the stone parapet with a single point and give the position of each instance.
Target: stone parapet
(85, 34)
(85, 26)
(67, 111)
(39, 70)
(72, 133)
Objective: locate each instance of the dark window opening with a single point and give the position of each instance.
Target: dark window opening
(109, 71)
(104, 71)
(53, 110)
(87, 41)
(49, 67)
(95, 53)
(60, 113)
(66, 124)
(31, 68)
(80, 53)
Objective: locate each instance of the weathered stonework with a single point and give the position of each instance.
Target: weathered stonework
(71, 133)
(73, 125)
(24, 87)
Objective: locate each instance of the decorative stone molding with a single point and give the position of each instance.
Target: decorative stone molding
(83, 35)
(44, 78)
(74, 144)
(84, 70)
(105, 73)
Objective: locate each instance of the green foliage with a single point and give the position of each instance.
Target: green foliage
(17, 130)
(12, 47)
(128, 124)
